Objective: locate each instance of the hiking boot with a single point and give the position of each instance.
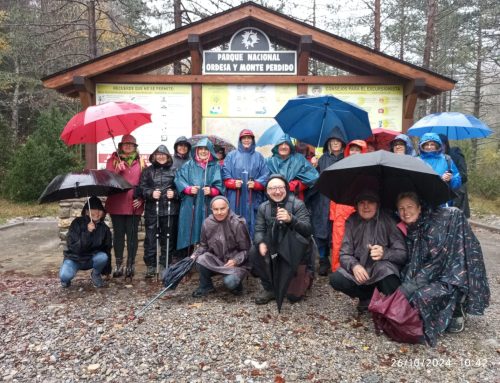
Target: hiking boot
(362, 306)
(264, 297)
(130, 271)
(199, 292)
(324, 267)
(238, 290)
(65, 284)
(457, 323)
(118, 271)
(96, 279)
(150, 272)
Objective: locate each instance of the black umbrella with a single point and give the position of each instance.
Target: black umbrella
(171, 278)
(285, 259)
(83, 184)
(384, 172)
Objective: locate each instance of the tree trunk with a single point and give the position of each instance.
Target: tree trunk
(177, 24)
(314, 62)
(14, 121)
(402, 32)
(92, 29)
(377, 26)
(429, 33)
(477, 86)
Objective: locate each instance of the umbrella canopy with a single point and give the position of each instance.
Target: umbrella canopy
(108, 120)
(83, 184)
(270, 136)
(215, 140)
(385, 172)
(311, 119)
(454, 125)
(381, 138)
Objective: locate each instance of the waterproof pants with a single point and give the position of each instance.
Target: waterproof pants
(150, 240)
(386, 286)
(125, 226)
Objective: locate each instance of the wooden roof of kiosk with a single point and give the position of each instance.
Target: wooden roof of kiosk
(132, 64)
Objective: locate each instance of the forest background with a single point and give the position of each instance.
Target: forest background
(456, 38)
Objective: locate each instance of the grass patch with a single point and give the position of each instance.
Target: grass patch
(481, 206)
(9, 209)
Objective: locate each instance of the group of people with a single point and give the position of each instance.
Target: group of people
(235, 213)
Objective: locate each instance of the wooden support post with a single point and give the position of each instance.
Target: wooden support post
(411, 93)
(196, 93)
(195, 52)
(86, 92)
(304, 52)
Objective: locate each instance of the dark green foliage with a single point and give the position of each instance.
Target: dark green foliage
(7, 145)
(40, 159)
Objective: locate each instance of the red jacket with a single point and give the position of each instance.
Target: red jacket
(121, 203)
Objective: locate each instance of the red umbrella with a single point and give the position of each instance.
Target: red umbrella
(381, 138)
(99, 122)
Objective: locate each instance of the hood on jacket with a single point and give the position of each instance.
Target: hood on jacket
(287, 186)
(182, 140)
(95, 203)
(360, 143)
(207, 143)
(446, 143)
(408, 144)
(336, 133)
(161, 149)
(284, 138)
(427, 137)
(246, 132)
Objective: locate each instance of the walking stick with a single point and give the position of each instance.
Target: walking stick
(238, 193)
(193, 209)
(158, 296)
(158, 240)
(168, 234)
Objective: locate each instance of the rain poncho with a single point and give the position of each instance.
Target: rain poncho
(223, 241)
(299, 173)
(194, 173)
(409, 150)
(245, 164)
(445, 266)
(178, 159)
(438, 161)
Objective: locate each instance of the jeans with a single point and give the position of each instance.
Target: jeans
(230, 281)
(69, 267)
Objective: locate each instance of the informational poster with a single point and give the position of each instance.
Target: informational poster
(227, 109)
(170, 107)
(384, 103)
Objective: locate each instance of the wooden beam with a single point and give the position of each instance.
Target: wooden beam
(196, 94)
(412, 91)
(240, 79)
(304, 53)
(195, 52)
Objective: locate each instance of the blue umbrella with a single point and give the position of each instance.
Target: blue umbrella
(454, 125)
(270, 136)
(311, 119)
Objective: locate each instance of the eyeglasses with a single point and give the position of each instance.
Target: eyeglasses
(276, 188)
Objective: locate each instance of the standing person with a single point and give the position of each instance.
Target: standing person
(223, 249)
(298, 172)
(462, 200)
(245, 176)
(401, 144)
(373, 251)
(445, 277)
(126, 208)
(432, 152)
(333, 151)
(338, 212)
(182, 149)
(197, 182)
(220, 152)
(282, 214)
(162, 209)
(88, 245)
(307, 151)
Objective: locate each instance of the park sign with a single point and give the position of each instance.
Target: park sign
(250, 53)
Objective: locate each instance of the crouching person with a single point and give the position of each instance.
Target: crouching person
(223, 249)
(89, 244)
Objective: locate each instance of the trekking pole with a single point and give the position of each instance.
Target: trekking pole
(168, 235)
(157, 240)
(193, 209)
(238, 193)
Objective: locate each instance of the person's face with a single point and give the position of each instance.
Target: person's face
(370, 148)
(367, 209)
(276, 190)
(203, 153)
(399, 147)
(354, 149)
(161, 158)
(182, 149)
(220, 210)
(430, 146)
(96, 214)
(408, 210)
(284, 150)
(246, 141)
(219, 155)
(335, 146)
(128, 147)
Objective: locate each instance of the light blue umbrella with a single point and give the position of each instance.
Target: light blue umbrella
(311, 119)
(270, 136)
(454, 125)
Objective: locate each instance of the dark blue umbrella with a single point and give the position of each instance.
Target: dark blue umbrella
(311, 119)
(454, 125)
(270, 136)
